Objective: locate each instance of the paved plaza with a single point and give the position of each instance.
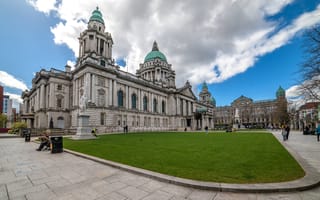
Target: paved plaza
(28, 174)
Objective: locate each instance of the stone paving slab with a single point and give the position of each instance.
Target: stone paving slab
(113, 183)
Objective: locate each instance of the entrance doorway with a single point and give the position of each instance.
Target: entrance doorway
(188, 122)
(60, 123)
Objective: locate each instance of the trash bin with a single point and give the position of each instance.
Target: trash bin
(56, 144)
(27, 135)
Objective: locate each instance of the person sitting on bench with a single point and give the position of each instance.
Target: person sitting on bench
(45, 142)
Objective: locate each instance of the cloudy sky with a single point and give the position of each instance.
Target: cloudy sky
(239, 47)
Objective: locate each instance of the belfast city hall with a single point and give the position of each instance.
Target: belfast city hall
(145, 101)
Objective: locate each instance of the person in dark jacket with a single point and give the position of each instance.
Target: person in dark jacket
(318, 132)
(287, 131)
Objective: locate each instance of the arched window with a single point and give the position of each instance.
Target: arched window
(145, 103)
(155, 106)
(163, 106)
(120, 98)
(134, 101)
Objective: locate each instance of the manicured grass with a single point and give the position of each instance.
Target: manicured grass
(218, 157)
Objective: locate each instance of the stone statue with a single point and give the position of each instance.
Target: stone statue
(236, 113)
(83, 103)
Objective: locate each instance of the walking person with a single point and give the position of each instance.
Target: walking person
(283, 133)
(287, 130)
(206, 129)
(318, 131)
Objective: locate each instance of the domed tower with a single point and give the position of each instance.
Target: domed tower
(281, 93)
(205, 95)
(94, 42)
(156, 68)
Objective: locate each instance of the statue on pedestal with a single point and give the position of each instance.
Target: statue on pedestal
(83, 103)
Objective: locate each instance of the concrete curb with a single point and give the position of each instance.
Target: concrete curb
(3, 135)
(309, 181)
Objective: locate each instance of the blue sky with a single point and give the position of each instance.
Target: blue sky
(36, 35)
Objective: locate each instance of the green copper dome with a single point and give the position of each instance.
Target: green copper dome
(96, 16)
(213, 101)
(155, 53)
(204, 86)
(281, 92)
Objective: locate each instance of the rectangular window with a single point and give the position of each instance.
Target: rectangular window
(101, 46)
(59, 103)
(102, 118)
(103, 63)
(59, 87)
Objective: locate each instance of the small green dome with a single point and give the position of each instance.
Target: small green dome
(281, 92)
(155, 53)
(96, 16)
(213, 101)
(204, 86)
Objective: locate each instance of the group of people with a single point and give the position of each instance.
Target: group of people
(285, 132)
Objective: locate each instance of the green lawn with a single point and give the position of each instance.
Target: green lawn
(219, 157)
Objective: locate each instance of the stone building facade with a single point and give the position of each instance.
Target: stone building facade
(148, 100)
(246, 113)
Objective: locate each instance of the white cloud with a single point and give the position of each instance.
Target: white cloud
(45, 6)
(15, 97)
(16, 100)
(71, 64)
(210, 40)
(293, 92)
(9, 80)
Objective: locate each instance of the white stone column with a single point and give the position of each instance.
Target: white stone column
(74, 93)
(139, 100)
(152, 102)
(127, 97)
(98, 45)
(67, 100)
(184, 110)
(88, 86)
(42, 96)
(93, 89)
(115, 102)
(110, 92)
(166, 104)
(178, 106)
(51, 97)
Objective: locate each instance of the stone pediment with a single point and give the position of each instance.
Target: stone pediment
(242, 100)
(187, 92)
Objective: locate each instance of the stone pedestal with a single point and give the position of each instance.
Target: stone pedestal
(83, 130)
(236, 126)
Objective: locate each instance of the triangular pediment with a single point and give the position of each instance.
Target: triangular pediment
(187, 92)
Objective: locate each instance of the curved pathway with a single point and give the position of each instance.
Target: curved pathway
(28, 174)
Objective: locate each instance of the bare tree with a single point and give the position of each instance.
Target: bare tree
(310, 68)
